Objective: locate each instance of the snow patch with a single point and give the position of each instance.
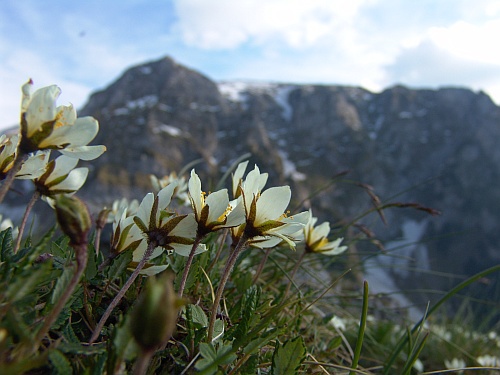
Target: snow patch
(168, 129)
(405, 115)
(145, 69)
(281, 97)
(144, 102)
(404, 253)
(237, 91)
(289, 169)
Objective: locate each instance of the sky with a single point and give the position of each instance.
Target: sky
(83, 46)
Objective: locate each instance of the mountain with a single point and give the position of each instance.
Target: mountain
(438, 148)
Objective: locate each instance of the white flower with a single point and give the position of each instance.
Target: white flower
(45, 126)
(31, 168)
(166, 229)
(213, 212)
(418, 365)
(488, 360)
(8, 148)
(338, 323)
(34, 166)
(126, 235)
(181, 190)
(266, 221)
(316, 238)
(61, 177)
(455, 363)
(7, 223)
(237, 180)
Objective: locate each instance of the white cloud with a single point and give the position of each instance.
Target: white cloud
(228, 24)
(469, 41)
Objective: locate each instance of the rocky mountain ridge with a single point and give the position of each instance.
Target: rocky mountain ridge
(435, 147)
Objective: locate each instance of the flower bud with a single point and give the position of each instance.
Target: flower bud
(155, 314)
(73, 218)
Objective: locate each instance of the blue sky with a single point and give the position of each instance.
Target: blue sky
(83, 46)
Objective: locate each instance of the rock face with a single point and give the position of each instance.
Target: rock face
(435, 147)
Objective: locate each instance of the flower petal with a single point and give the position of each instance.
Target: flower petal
(185, 250)
(42, 108)
(218, 203)
(84, 152)
(272, 204)
(195, 193)
(186, 228)
(144, 210)
(75, 180)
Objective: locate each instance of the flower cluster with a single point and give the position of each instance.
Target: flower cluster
(44, 127)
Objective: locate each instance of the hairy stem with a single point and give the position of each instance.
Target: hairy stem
(29, 207)
(261, 265)
(231, 261)
(188, 264)
(97, 331)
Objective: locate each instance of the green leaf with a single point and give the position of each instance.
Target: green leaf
(69, 335)
(91, 270)
(23, 286)
(250, 366)
(213, 358)
(207, 351)
(119, 265)
(61, 364)
(6, 248)
(261, 341)
(288, 357)
(123, 342)
(198, 315)
(248, 307)
(62, 283)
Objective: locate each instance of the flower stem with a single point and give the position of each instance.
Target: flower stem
(29, 207)
(261, 265)
(142, 362)
(81, 263)
(219, 251)
(231, 261)
(20, 158)
(188, 264)
(294, 271)
(97, 331)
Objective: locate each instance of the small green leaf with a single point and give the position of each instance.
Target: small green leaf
(288, 357)
(212, 358)
(61, 364)
(6, 248)
(62, 283)
(119, 265)
(198, 315)
(207, 351)
(218, 329)
(123, 341)
(91, 270)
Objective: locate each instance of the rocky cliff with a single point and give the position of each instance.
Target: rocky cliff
(435, 147)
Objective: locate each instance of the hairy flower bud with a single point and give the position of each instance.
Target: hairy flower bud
(155, 314)
(73, 218)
